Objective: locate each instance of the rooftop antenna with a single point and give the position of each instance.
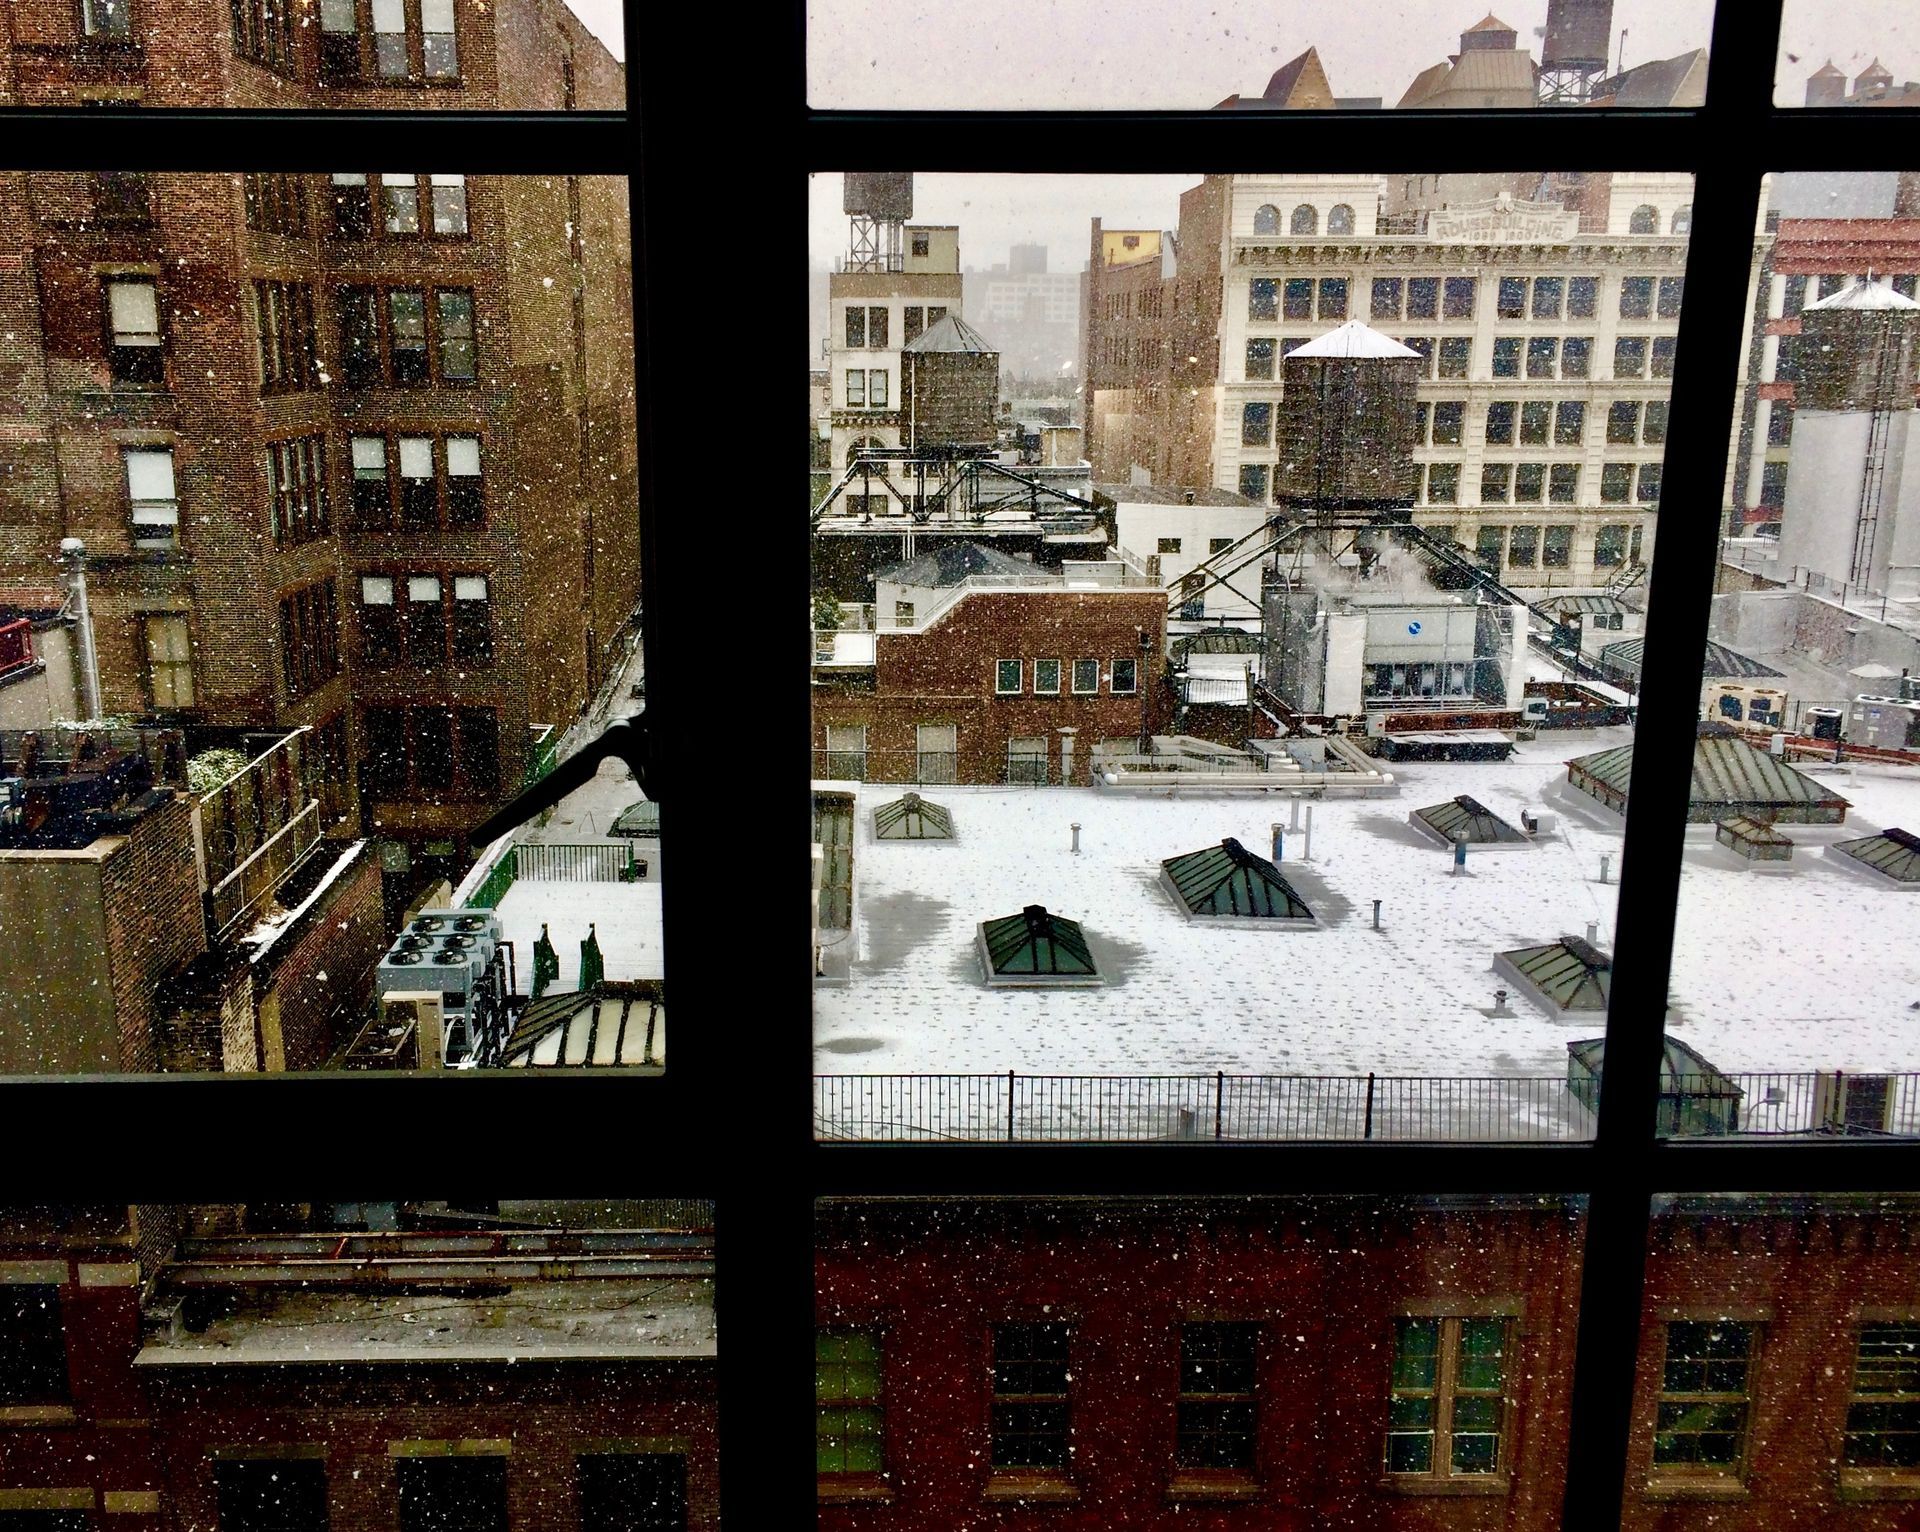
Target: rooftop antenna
(1620, 65)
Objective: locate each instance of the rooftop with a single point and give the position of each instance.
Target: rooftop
(1410, 998)
(1861, 293)
(1352, 339)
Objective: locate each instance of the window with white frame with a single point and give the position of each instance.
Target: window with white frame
(153, 505)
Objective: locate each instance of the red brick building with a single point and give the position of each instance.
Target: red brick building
(173, 1368)
(1120, 1363)
(356, 451)
(974, 679)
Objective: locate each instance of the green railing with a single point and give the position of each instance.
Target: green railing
(542, 751)
(498, 880)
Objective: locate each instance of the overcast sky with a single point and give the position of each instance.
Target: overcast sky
(1192, 53)
(603, 20)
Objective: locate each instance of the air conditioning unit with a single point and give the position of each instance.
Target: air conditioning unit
(450, 976)
(421, 1011)
(1853, 1103)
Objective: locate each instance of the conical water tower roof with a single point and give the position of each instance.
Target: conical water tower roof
(1353, 339)
(1861, 293)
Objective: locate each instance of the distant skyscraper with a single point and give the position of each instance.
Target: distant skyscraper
(1027, 261)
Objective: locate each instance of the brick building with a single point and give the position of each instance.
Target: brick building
(1124, 1363)
(353, 451)
(1546, 317)
(256, 1368)
(983, 668)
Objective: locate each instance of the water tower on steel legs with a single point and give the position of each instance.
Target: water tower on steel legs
(1574, 56)
(877, 204)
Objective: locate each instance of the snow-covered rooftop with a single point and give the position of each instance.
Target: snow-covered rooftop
(1799, 966)
(1353, 339)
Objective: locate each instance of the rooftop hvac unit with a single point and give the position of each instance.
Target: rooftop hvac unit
(459, 928)
(1853, 1103)
(451, 977)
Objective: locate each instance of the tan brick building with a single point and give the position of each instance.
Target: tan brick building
(356, 451)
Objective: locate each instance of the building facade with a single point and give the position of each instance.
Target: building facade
(333, 442)
(1124, 1363)
(1546, 326)
(256, 1369)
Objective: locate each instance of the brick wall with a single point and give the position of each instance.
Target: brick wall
(316, 981)
(549, 1413)
(151, 894)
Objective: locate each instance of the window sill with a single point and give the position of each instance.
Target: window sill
(31, 1415)
(1044, 1487)
(1203, 1485)
(1701, 1487)
(1422, 1484)
(1857, 1485)
(837, 1489)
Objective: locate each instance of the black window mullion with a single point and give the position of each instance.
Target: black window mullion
(1729, 143)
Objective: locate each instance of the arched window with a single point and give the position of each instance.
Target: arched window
(1305, 220)
(1266, 219)
(1340, 219)
(867, 444)
(1644, 221)
(1683, 219)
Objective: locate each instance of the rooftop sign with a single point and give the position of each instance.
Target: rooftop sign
(1503, 221)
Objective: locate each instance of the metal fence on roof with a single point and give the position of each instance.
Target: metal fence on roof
(1021, 1108)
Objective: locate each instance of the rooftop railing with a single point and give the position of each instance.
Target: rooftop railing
(256, 828)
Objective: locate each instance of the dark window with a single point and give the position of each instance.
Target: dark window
(136, 351)
(386, 753)
(1030, 1404)
(1500, 422)
(124, 197)
(272, 1495)
(1610, 545)
(1542, 350)
(638, 1492)
(1513, 297)
(1832, 283)
(1656, 427)
(1644, 220)
(1523, 549)
(1387, 299)
(1298, 298)
(1333, 297)
(1423, 297)
(1123, 677)
(1636, 297)
(1423, 345)
(457, 361)
(1256, 425)
(1506, 356)
(1701, 1426)
(1495, 483)
(1263, 299)
(1304, 221)
(1547, 297)
(1576, 353)
(1460, 294)
(1259, 360)
(1569, 423)
(339, 41)
(876, 329)
(1447, 416)
(472, 620)
(407, 335)
(1456, 356)
(426, 620)
(1780, 423)
(850, 1422)
(372, 493)
(263, 30)
(1563, 483)
(466, 484)
(379, 622)
(1489, 546)
(1536, 417)
(431, 747)
(1340, 219)
(1616, 483)
(1773, 486)
(1623, 422)
(1253, 480)
(452, 1494)
(480, 752)
(1215, 1410)
(1664, 347)
(359, 337)
(1793, 296)
(109, 19)
(1448, 1384)
(1671, 290)
(1266, 219)
(309, 638)
(1529, 483)
(1883, 1419)
(33, 1346)
(1583, 297)
(856, 328)
(1557, 551)
(352, 206)
(419, 490)
(1443, 483)
(288, 347)
(1630, 356)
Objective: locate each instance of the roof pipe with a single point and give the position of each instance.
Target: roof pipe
(73, 558)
